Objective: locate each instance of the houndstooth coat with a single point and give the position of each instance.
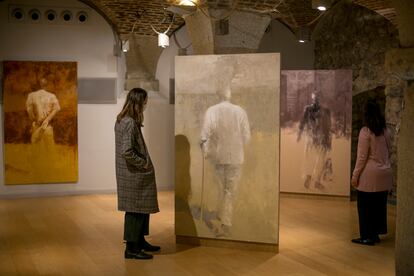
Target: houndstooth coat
(135, 175)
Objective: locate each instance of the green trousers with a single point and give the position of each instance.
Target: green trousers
(136, 226)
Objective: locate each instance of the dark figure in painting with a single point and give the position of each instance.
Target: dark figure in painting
(316, 125)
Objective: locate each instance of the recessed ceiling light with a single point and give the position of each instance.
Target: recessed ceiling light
(187, 3)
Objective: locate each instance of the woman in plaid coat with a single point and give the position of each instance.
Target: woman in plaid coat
(135, 176)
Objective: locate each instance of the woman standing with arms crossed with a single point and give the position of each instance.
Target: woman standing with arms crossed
(372, 176)
(135, 176)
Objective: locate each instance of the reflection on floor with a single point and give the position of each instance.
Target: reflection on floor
(82, 235)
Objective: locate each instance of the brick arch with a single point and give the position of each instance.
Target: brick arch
(122, 15)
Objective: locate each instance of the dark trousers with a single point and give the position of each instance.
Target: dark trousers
(372, 213)
(136, 226)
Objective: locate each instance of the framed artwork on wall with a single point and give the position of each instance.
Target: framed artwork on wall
(40, 122)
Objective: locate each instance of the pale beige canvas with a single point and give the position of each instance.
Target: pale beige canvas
(316, 109)
(227, 147)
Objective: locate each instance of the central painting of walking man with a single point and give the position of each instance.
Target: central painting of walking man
(227, 147)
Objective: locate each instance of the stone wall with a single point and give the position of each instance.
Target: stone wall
(352, 37)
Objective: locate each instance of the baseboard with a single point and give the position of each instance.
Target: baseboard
(32, 194)
(255, 246)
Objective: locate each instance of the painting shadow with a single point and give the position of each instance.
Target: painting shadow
(183, 213)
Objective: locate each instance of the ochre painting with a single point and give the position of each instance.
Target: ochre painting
(227, 147)
(316, 109)
(40, 122)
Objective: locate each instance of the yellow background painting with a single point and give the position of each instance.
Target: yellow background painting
(40, 122)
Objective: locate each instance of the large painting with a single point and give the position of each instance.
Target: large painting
(316, 110)
(227, 147)
(40, 122)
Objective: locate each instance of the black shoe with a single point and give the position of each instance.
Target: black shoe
(141, 255)
(146, 246)
(363, 241)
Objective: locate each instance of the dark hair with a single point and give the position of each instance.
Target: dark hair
(373, 118)
(134, 105)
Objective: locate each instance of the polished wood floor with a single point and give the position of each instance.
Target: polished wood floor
(82, 235)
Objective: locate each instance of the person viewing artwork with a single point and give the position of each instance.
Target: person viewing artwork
(42, 106)
(225, 132)
(316, 126)
(372, 175)
(135, 176)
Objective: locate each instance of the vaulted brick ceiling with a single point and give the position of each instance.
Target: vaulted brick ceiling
(139, 15)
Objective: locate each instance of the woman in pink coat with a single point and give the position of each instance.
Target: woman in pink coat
(372, 176)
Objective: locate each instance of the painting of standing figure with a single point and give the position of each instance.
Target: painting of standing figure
(224, 134)
(227, 147)
(40, 122)
(316, 131)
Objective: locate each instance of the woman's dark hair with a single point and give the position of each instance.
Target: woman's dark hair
(134, 105)
(373, 118)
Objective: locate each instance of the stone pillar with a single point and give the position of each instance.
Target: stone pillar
(394, 101)
(405, 21)
(400, 65)
(201, 34)
(237, 32)
(141, 62)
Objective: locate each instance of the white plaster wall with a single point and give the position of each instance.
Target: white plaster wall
(159, 120)
(294, 55)
(91, 46)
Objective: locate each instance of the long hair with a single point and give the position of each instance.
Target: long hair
(373, 118)
(134, 105)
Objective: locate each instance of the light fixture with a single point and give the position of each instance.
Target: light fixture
(187, 3)
(18, 14)
(125, 45)
(34, 15)
(163, 40)
(303, 34)
(321, 5)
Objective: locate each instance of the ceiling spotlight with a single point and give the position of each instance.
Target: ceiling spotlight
(321, 5)
(125, 46)
(303, 34)
(187, 3)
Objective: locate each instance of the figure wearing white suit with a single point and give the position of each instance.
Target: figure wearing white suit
(224, 134)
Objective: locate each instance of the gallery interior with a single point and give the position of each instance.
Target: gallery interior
(178, 50)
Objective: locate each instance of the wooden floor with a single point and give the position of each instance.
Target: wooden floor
(82, 235)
